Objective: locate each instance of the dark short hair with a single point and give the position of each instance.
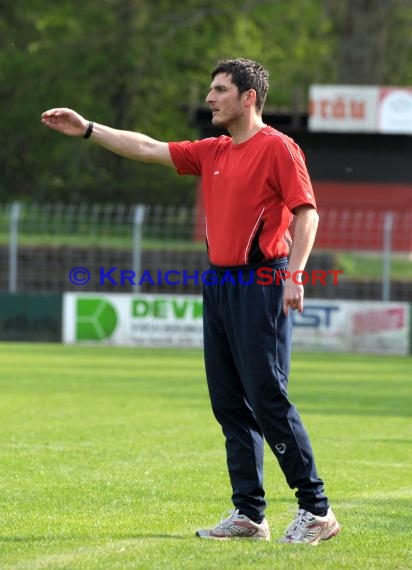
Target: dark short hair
(246, 74)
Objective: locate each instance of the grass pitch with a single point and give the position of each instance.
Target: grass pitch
(110, 459)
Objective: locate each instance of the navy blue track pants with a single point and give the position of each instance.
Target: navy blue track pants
(247, 343)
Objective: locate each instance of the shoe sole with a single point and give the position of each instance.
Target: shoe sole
(212, 537)
(331, 534)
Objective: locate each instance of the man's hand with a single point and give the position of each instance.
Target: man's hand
(292, 296)
(136, 146)
(306, 223)
(65, 121)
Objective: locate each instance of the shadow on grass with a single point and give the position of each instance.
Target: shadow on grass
(59, 538)
(23, 538)
(153, 536)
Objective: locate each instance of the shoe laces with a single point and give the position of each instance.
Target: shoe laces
(299, 524)
(225, 520)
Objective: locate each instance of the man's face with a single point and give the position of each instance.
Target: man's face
(224, 101)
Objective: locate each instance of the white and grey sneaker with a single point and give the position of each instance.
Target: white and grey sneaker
(310, 529)
(237, 526)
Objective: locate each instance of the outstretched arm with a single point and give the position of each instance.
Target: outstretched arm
(126, 143)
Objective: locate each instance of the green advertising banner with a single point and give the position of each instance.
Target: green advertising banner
(130, 320)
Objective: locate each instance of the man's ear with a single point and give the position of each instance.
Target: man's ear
(249, 97)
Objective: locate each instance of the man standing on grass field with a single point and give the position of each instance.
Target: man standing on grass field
(253, 182)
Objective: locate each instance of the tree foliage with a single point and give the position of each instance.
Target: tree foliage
(140, 65)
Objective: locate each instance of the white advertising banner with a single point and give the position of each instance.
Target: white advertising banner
(133, 320)
(353, 326)
(362, 109)
(125, 319)
(395, 111)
